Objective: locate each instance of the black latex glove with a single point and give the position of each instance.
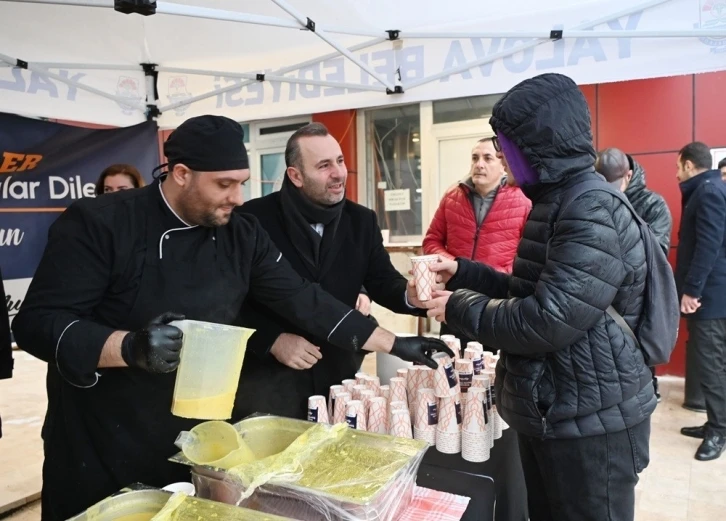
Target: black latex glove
(419, 349)
(155, 348)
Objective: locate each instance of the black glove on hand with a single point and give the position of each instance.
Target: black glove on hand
(419, 349)
(155, 348)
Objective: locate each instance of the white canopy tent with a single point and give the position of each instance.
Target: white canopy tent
(259, 59)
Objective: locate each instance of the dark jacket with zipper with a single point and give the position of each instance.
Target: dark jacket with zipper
(567, 370)
(701, 259)
(650, 206)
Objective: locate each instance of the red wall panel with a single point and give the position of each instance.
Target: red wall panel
(590, 92)
(710, 114)
(646, 116)
(342, 126)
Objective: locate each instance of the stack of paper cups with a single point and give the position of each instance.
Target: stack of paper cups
(413, 384)
(496, 419)
(489, 360)
(357, 390)
(454, 344)
(377, 415)
(423, 277)
(348, 386)
(400, 424)
(445, 382)
(386, 392)
(396, 406)
(360, 378)
(366, 397)
(465, 372)
(398, 390)
(475, 444)
(374, 384)
(426, 378)
(448, 430)
(476, 346)
(481, 380)
(476, 359)
(402, 373)
(317, 409)
(341, 404)
(427, 416)
(355, 415)
(334, 389)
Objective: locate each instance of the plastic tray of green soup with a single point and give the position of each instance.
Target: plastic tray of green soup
(314, 471)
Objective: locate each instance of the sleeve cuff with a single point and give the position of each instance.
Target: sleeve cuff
(78, 351)
(693, 290)
(352, 332)
(261, 342)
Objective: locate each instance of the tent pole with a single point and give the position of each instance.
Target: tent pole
(527, 45)
(320, 33)
(686, 33)
(80, 86)
(284, 70)
(93, 66)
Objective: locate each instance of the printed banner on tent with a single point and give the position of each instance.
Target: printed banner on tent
(44, 167)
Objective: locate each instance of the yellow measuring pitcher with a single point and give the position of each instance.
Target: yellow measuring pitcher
(209, 369)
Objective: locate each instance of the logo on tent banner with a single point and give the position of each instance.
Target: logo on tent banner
(129, 88)
(177, 91)
(713, 16)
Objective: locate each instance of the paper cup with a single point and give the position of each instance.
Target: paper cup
(474, 421)
(402, 373)
(475, 447)
(360, 378)
(374, 384)
(317, 409)
(401, 424)
(355, 415)
(426, 378)
(424, 278)
(454, 344)
(476, 358)
(427, 435)
(396, 406)
(366, 397)
(449, 415)
(334, 389)
(386, 392)
(348, 386)
(413, 384)
(445, 382)
(427, 416)
(357, 390)
(398, 390)
(465, 372)
(377, 415)
(475, 345)
(341, 403)
(480, 380)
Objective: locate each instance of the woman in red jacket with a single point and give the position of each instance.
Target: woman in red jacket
(482, 217)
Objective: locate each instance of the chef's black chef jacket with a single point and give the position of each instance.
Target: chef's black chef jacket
(114, 263)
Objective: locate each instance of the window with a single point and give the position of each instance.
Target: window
(393, 147)
(462, 109)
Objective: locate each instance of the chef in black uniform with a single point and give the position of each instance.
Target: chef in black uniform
(116, 270)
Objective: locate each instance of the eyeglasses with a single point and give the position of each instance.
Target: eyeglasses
(495, 142)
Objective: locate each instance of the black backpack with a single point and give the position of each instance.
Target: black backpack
(657, 329)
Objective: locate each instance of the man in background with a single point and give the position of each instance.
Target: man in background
(330, 241)
(625, 174)
(6, 353)
(722, 168)
(701, 281)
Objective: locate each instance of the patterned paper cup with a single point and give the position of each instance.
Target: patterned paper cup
(475, 447)
(377, 415)
(317, 409)
(341, 403)
(357, 390)
(454, 344)
(386, 392)
(374, 384)
(348, 386)
(401, 424)
(355, 415)
(474, 421)
(413, 384)
(449, 415)
(402, 373)
(398, 390)
(366, 397)
(334, 389)
(360, 378)
(426, 378)
(396, 406)
(465, 372)
(445, 382)
(424, 278)
(490, 360)
(475, 345)
(476, 358)
(480, 380)
(427, 416)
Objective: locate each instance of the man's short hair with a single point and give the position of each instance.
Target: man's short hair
(697, 153)
(486, 139)
(292, 150)
(612, 164)
(722, 163)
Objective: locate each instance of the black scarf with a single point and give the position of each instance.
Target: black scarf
(298, 214)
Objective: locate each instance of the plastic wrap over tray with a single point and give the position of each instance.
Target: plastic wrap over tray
(316, 472)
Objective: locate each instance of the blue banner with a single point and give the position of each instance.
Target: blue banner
(46, 166)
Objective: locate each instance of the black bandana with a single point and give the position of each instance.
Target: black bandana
(207, 144)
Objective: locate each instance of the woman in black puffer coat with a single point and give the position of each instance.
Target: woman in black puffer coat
(572, 384)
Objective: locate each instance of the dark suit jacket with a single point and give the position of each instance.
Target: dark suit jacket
(357, 258)
(6, 354)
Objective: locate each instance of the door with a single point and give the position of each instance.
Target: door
(454, 161)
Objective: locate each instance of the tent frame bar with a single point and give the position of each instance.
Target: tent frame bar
(280, 72)
(574, 33)
(15, 63)
(533, 43)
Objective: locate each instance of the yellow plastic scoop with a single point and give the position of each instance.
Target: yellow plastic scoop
(216, 444)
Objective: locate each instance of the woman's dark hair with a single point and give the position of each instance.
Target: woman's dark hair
(127, 170)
